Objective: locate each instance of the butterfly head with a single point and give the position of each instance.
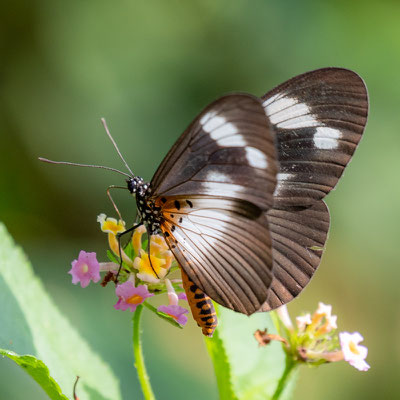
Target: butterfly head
(137, 185)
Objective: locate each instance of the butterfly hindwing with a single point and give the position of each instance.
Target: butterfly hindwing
(318, 118)
(298, 240)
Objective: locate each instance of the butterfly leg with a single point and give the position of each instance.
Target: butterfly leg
(148, 251)
(119, 235)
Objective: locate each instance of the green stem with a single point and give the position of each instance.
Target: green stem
(139, 359)
(275, 320)
(290, 365)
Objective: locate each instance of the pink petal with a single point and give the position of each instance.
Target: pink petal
(85, 269)
(182, 296)
(176, 312)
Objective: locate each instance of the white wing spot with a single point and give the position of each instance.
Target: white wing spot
(231, 141)
(288, 113)
(256, 158)
(211, 121)
(206, 117)
(226, 129)
(326, 138)
(283, 176)
(274, 105)
(215, 176)
(223, 189)
(224, 133)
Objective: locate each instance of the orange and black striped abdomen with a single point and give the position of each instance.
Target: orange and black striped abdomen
(202, 308)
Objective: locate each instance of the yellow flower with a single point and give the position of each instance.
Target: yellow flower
(160, 249)
(146, 272)
(161, 260)
(137, 238)
(113, 227)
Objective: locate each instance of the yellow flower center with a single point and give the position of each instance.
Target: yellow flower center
(135, 299)
(145, 267)
(85, 268)
(353, 348)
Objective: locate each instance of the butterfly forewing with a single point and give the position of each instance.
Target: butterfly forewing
(318, 119)
(227, 151)
(213, 188)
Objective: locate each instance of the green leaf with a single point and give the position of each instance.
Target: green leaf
(39, 372)
(244, 370)
(130, 251)
(222, 368)
(162, 315)
(112, 257)
(31, 324)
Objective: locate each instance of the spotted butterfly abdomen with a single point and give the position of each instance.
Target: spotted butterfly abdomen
(202, 308)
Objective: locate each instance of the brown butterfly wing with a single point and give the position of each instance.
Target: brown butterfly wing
(298, 240)
(318, 119)
(228, 151)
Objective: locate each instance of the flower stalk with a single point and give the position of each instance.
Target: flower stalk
(290, 365)
(144, 379)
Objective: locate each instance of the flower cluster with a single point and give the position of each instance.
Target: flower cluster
(314, 339)
(143, 273)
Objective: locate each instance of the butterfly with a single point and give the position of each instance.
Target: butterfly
(239, 196)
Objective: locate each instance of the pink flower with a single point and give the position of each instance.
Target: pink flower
(176, 312)
(182, 296)
(353, 353)
(130, 296)
(85, 268)
(173, 310)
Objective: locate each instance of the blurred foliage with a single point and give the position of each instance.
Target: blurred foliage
(31, 323)
(149, 68)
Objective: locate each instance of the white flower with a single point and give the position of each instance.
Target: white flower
(353, 353)
(284, 317)
(324, 309)
(303, 321)
(331, 323)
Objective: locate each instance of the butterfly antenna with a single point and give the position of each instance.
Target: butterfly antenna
(103, 121)
(83, 165)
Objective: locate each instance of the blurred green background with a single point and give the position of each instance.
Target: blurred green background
(149, 68)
